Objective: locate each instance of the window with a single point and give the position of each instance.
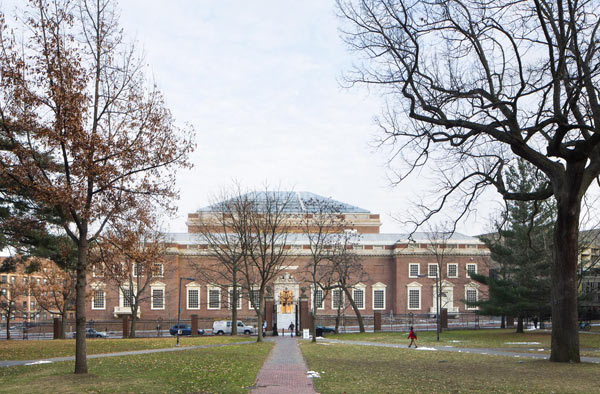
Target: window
(471, 268)
(138, 270)
(452, 270)
(319, 298)
(414, 296)
(158, 298)
(230, 298)
(3, 279)
(127, 298)
(214, 298)
(470, 296)
(254, 298)
(193, 297)
(432, 270)
(358, 295)
(13, 279)
(38, 280)
(98, 300)
(413, 270)
(32, 304)
(158, 270)
(337, 299)
(96, 270)
(414, 299)
(379, 296)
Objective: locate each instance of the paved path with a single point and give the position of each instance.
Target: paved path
(11, 363)
(485, 351)
(284, 371)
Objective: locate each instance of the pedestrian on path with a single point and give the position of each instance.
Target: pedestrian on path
(264, 328)
(413, 337)
(291, 327)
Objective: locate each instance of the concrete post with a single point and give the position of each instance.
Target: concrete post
(268, 312)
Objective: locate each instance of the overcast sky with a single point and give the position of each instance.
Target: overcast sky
(260, 83)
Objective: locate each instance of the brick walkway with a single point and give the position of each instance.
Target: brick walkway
(284, 371)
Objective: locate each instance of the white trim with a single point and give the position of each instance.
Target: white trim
(192, 286)
(409, 287)
(94, 299)
(467, 269)
(312, 293)
(162, 270)
(429, 270)
(208, 290)
(448, 270)
(157, 286)
(471, 286)
(418, 270)
(229, 291)
(378, 287)
(333, 307)
(254, 288)
(360, 287)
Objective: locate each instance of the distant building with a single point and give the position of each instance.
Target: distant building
(400, 272)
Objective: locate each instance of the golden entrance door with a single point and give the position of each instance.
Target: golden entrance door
(286, 300)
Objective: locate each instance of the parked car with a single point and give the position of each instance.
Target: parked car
(186, 329)
(221, 327)
(91, 333)
(320, 330)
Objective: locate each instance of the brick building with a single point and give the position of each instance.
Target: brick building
(400, 273)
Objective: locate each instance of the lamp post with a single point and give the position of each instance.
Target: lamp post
(179, 307)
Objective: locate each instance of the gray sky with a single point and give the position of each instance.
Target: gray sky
(259, 81)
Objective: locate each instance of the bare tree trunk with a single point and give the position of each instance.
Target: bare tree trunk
(503, 321)
(565, 334)
(133, 320)
(8, 326)
(313, 314)
(80, 287)
(63, 323)
(259, 310)
(361, 324)
(234, 300)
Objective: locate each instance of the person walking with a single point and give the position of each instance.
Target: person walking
(413, 337)
(264, 328)
(291, 327)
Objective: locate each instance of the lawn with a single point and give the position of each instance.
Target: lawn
(33, 350)
(224, 370)
(363, 369)
(496, 338)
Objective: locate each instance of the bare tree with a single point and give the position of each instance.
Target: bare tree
(349, 271)
(132, 254)
(87, 133)
(55, 291)
(479, 84)
(323, 226)
(11, 293)
(225, 247)
(260, 219)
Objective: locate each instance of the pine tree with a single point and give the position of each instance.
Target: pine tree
(519, 284)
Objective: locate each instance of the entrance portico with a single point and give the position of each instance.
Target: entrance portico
(286, 292)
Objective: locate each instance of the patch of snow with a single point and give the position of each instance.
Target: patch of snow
(455, 341)
(522, 343)
(323, 343)
(312, 374)
(540, 350)
(39, 362)
(426, 348)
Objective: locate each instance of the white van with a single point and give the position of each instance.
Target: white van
(221, 327)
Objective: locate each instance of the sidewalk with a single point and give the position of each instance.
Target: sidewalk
(284, 371)
(484, 351)
(10, 363)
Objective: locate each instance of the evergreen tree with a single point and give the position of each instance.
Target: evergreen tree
(519, 283)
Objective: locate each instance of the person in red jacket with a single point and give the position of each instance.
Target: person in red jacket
(413, 337)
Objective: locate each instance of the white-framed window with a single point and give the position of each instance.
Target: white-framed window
(99, 299)
(157, 290)
(138, 270)
(414, 270)
(452, 270)
(126, 297)
(230, 298)
(432, 270)
(214, 297)
(413, 296)
(337, 299)
(254, 298)
(378, 296)
(471, 295)
(358, 295)
(193, 296)
(158, 270)
(318, 298)
(471, 267)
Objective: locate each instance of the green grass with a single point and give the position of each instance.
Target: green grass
(363, 369)
(32, 350)
(473, 338)
(214, 370)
